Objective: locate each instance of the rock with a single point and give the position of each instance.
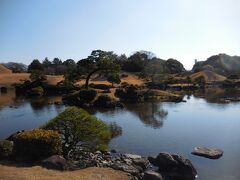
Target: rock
(13, 136)
(6, 148)
(152, 175)
(126, 168)
(207, 152)
(175, 166)
(152, 160)
(142, 162)
(113, 151)
(56, 162)
(132, 156)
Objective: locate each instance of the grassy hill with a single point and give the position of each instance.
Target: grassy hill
(4, 70)
(208, 75)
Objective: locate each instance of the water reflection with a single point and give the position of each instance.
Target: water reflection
(218, 95)
(150, 113)
(115, 129)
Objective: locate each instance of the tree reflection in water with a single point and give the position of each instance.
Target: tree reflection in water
(150, 113)
(115, 129)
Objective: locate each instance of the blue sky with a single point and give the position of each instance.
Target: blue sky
(180, 29)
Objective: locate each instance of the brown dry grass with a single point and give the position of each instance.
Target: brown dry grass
(4, 70)
(130, 79)
(12, 78)
(208, 75)
(39, 173)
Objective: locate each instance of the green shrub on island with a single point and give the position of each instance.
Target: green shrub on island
(36, 91)
(78, 126)
(66, 85)
(104, 101)
(87, 95)
(37, 143)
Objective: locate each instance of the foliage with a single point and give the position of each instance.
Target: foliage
(104, 101)
(37, 90)
(87, 95)
(37, 143)
(76, 125)
(37, 75)
(114, 78)
(99, 61)
(66, 85)
(35, 65)
(129, 93)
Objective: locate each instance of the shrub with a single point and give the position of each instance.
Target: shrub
(87, 95)
(76, 125)
(100, 86)
(37, 143)
(6, 148)
(104, 101)
(66, 85)
(37, 91)
(129, 93)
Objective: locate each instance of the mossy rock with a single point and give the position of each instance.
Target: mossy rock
(6, 148)
(36, 144)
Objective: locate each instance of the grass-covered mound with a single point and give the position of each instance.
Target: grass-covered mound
(37, 143)
(76, 125)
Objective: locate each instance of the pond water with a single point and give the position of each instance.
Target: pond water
(150, 128)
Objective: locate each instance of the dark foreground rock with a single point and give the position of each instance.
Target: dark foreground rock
(207, 152)
(57, 162)
(174, 166)
(6, 148)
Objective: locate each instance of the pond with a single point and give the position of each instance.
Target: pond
(150, 128)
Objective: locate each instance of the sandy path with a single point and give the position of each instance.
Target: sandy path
(39, 173)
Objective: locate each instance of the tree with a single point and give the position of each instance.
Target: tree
(136, 62)
(35, 65)
(57, 61)
(77, 125)
(46, 63)
(69, 63)
(114, 78)
(37, 75)
(98, 62)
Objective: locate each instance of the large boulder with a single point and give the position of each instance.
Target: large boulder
(126, 168)
(207, 152)
(6, 148)
(56, 162)
(141, 162)
(174, 166)
(152, 175)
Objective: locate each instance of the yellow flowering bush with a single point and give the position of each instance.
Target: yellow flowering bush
(37, 143)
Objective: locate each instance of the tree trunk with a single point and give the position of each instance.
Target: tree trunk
(88, 77)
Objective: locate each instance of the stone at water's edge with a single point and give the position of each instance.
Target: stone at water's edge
(207, 152)
(57, 162)
(152, 175)
(174, 166)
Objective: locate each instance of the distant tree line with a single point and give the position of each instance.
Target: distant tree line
(107, 63)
